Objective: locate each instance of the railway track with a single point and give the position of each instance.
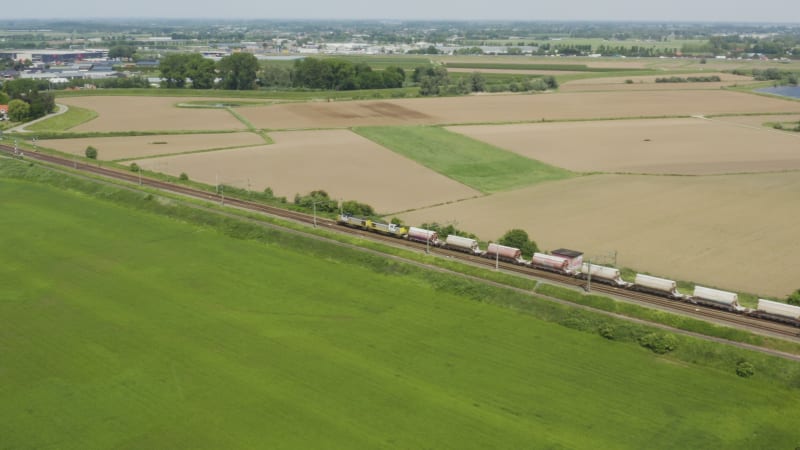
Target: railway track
(719, 316)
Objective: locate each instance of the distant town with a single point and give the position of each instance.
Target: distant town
(63, 51)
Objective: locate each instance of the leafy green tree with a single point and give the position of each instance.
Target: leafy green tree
(121, 51)
(173, 68)
(394, 77)
(200, 70)
(519, 239)
(91, 152)
(4, 98)
(793, 299)
(275, 75)
(18, 110)
(42, 103)
(21, 88)
(477, 82)
(239, 71)
(435, 83)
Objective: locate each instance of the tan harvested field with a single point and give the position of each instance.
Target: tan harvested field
(512, 108)
(118, 113)
(113, 148)
(340, 162)
(735, 231)
(692, 146)
(649, 83)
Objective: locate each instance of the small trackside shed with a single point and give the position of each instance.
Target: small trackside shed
(574, 257)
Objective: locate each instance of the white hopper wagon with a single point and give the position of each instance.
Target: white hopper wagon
(658, 286)
(462, 244)
(603, 274)
(778, 311)
(505, 253)
(716, 298)
(423, 235)
(551, 263)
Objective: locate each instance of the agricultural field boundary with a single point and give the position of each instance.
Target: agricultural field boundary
(489, 169)
(250, 127)
(230, 222)
(190, 152)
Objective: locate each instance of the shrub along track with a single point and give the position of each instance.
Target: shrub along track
(720, 316)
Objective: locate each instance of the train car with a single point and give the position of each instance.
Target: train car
(658, 286)
(603, 274)
(780, 312)
(551, 263)
(389, 229)
(505, 253)
(351, 221)
(423, 235)
(574, 257)
(716, 299)
(462, 244)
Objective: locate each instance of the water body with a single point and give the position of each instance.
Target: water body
(786, 91)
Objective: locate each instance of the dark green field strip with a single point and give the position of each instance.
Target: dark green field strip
(468, 161)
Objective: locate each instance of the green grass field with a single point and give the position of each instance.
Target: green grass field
(63, 122)
(121, 328)
(474, 163)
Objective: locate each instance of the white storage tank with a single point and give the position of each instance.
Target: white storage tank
(506, 253)
(729, 300)
(463, 244)
(609, 274)
(779, 309)
(550, 262)
(423, 235)
(649, 283)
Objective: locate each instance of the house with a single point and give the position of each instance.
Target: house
(3, 112)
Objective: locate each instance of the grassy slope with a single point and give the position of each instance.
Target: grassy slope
(474, 163)
(137, 331)
(63, 122)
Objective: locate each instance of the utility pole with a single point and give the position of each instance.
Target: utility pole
(589, 277)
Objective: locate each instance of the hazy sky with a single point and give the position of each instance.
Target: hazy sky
(614, 10)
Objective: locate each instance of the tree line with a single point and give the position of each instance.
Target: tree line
(27, 99)
(238, 71)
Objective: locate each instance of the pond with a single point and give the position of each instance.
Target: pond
(786, 91)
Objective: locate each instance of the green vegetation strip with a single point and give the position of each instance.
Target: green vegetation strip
(260, 94)
(468, 161)
(673, 320)
(180, 336)
(523, 66)
(63, 122)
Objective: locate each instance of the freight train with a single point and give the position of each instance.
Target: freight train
(570, 263)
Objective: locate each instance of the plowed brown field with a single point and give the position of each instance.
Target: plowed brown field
(342, 163)
(512, 108)
(733, 231)
(118, 113)
(112, 148)
(691, 146)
